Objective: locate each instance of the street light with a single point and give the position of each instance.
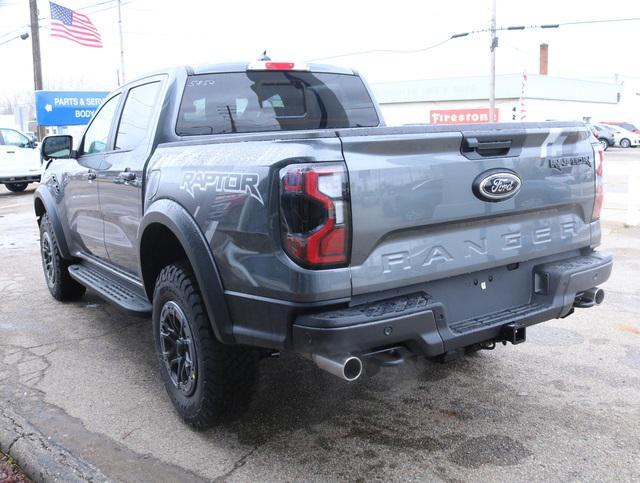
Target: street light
(23, 36)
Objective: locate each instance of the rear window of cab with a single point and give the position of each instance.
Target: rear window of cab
(260, 101)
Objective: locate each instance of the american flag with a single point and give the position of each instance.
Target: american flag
(75, 26)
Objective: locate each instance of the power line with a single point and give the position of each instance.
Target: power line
(547, 26)
(95, 4)
(22, 28)
(110, 7)
(411, 51)
(471, 32)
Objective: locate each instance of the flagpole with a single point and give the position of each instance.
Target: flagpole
(121, 41)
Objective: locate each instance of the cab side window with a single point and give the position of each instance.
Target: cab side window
(14, 138)
(136, 116)
(95, 139)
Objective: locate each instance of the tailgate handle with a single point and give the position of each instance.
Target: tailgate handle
(473, 143)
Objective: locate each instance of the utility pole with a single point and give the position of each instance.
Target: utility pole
(121, 41)
(492, 81)
(37, 62)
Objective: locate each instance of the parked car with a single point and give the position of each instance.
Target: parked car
(19, 160)
(625, 125)
(604, 134)
(251, 209)
(624, 138)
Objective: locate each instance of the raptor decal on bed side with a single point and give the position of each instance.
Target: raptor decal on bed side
(222, 183)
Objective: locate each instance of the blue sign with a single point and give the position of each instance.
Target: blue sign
(66, 108)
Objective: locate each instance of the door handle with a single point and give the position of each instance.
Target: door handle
(91, 175)
(11, 152)
(127, 175)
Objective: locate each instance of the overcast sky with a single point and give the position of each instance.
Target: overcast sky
(160, 33)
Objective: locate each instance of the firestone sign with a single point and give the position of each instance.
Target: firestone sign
(462, 116)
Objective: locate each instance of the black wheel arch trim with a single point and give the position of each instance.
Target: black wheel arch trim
(173, 216)
(44, 196)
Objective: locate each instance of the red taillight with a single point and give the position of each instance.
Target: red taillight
(598, 154)
(314, 212)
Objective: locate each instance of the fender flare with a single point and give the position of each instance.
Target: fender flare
(43, 195)
(173, 216)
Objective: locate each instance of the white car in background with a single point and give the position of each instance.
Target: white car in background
(623, 137)
(19, 160)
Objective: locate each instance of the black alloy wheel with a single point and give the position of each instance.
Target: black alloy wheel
(178, 349)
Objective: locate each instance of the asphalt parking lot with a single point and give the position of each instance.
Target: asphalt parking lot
(563, 406)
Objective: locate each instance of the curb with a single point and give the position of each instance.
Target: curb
(40, 457)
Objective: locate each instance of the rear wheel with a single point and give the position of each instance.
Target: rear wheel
(605, 144)
(56, 273)
(625, 143)
(16, 187)
(206, 380)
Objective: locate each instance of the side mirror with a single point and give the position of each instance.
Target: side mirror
(57, 147)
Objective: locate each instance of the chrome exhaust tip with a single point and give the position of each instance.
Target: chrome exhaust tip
(348, 368)
(598, 295)
(594, 295)
(591, 297)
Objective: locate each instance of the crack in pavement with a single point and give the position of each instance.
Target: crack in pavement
(78, 339)
(242, 461)
(8, 451)
(238, 464)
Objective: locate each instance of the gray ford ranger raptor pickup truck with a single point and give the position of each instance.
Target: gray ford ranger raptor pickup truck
(256, 208)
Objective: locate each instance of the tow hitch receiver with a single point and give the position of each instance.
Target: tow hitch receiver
(514, 333)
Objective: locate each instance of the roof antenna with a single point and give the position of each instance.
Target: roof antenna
(264, 57)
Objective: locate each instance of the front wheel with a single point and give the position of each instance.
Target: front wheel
(605, 144)
(16, 187)
(625, 143)
(56, 273)
(206, 380)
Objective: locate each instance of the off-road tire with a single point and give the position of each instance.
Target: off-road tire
(16, 187)
(55, 268)
(226, 376)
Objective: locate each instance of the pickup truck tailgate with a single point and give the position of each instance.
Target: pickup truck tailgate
(415, 215)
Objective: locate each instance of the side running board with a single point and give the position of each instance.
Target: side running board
(111, 287)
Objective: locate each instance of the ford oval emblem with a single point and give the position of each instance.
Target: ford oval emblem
(496, 185)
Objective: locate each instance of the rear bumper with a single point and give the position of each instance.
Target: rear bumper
(32, 178)
(420, 322)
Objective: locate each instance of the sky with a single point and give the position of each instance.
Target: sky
(162, 33)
